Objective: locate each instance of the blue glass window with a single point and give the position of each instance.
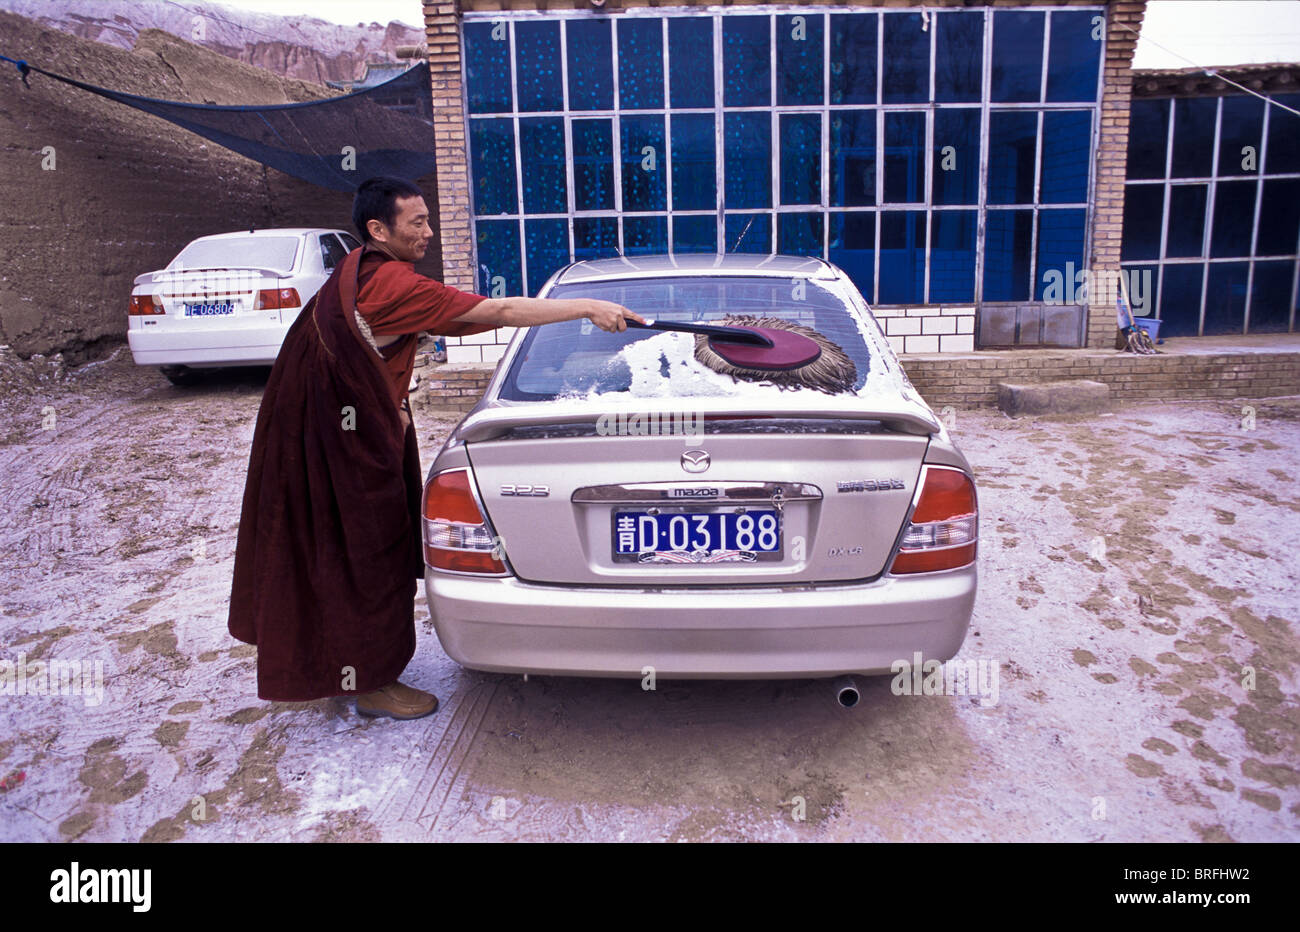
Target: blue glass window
(1142, 282)
(747, 156)
(747, 61)
(1067, 153)
(1193, 136)
(853, 248)
(902, 256)
(594, 238)
(1144, 212)
(492, 156)
(640, 63)
(1008, 239)
(1148, 138)
(904, 157)
(1283, 140)
(593, 165)
(749, 233)
(644, 187)
(690, 59)
(695, 234)
(591, 72)
(853, 158)
(1270, 297)
(853, 58)
(799, 234)
(695, 183)
(537, 65)
(1241, 125)
(645, 235)
(799, 59)
(498, 257)
(956, 156)
(1186, 230)
(541, 145)
(1013, 136)
(548, 250)
(952, 255)
(1060, 246)
(1073, 56)
(1225, 298)
(487, 67)
(801, 158)
(906, 78)
(1234, 218)
(1279, 217)
(1017, 56)
(958, 56)
(1180, 300)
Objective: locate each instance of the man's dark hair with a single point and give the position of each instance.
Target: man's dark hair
(376, 199)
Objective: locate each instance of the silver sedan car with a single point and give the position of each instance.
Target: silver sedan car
(614, 505)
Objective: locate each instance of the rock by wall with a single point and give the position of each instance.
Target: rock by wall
(93, 193)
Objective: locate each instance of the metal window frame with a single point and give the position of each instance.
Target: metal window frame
(719, 111)
(1259, 176)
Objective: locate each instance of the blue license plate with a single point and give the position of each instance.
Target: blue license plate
(209, 310)
(638, 532)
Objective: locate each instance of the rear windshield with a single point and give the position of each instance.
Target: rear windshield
(577, 358)
(245, 252)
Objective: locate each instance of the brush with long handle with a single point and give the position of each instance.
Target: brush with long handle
(768, 349)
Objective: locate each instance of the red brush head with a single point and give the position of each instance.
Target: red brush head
(789, 350)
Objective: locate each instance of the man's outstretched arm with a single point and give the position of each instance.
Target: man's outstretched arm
(529, 312)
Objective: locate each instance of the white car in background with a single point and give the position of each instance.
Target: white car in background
(229, 299)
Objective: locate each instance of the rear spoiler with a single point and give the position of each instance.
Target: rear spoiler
(499, 418)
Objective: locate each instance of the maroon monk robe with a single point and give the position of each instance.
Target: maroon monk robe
(328, 551)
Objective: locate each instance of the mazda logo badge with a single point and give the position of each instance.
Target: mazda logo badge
(695, 461)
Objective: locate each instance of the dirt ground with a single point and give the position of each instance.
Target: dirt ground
(1138, 597)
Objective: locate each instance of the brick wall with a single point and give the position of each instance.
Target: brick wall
(1123, 19)
(972, 380)
(455, 230)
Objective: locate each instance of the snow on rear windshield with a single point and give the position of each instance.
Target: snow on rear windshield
(575, 358)
(246, 252)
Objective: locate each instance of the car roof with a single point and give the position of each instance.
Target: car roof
(269, 231)
(625, 267)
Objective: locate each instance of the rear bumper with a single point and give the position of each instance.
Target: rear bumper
(258, 345)
(507, 626)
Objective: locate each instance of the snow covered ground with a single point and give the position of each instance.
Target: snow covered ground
(1138, 598)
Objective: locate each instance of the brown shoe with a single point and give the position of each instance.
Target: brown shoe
(397, 700)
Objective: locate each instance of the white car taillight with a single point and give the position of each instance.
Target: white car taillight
(455, 534)
(944, 527)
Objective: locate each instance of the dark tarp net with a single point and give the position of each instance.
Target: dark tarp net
(390, 127)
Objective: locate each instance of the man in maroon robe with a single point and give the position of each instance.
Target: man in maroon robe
(329, 552)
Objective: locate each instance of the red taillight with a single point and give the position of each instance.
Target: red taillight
(275, 299)
(142, 306)
(944, 526)
(455, 534)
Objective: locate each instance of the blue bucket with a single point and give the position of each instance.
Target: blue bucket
(1150, 325)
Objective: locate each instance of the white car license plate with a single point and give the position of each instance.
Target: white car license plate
(209, 310)
(638, 532)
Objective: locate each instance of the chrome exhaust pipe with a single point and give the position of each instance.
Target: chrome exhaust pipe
(846, 692)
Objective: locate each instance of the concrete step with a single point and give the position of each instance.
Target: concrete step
(1064, 396)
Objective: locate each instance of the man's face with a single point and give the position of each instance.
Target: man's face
(409, 236)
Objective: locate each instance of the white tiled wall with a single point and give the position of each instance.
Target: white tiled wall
(928, 329)
(479, 347)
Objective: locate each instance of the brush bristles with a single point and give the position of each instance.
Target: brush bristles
(832, 372)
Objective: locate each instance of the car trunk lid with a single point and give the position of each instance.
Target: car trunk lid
(766, 500)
